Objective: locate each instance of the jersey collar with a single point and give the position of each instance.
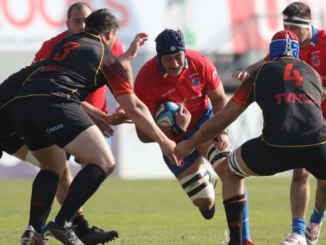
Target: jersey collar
(314, 36)
(164, 73)
(68, 33)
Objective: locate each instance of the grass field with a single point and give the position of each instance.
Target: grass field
(159, 212)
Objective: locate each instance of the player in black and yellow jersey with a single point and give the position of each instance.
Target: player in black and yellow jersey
(10, 141)
(13, 144)
(289, 92)
(48, 116)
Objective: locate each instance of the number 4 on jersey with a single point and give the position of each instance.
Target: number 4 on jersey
(296, 75)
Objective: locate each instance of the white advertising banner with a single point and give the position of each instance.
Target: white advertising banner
(223, 26)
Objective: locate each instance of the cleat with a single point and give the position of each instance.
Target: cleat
(248, 242)
(65, 234)
(98, 236)
(31, 237)
(312, 233)
(294, 239)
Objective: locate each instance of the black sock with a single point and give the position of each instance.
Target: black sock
(43, 192)
(81, 224)
(81, 189)
(209, 213)
(234, 213)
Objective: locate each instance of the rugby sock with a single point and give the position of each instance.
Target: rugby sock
(317, 216)
(234, 213)
(245, 219)
(80, 224)
(43, 193)
(209, 213)
(298, 226)
(81, 189)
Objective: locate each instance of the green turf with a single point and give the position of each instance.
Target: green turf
(159, 212)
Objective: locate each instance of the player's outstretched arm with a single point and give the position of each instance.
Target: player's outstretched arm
(140, 115)
(131, 53)
(210, 129)
(244, 74)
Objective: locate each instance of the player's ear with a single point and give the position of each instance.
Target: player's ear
(67, 24)
(109, 34)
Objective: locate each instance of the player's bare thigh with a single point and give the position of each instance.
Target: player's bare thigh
(90, 147)
(51, 158)
(21, 153)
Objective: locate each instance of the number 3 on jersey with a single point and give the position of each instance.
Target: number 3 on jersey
(69, 46)
(296, 75)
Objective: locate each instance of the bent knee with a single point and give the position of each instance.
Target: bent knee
(206, 207)
(322, 185)
(108, 166)
(204, 204)
(300, 175)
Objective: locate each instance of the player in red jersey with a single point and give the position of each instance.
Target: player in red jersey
(294, 133)
(297, 17)
(190, 79)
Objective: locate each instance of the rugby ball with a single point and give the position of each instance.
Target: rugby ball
(165, 115)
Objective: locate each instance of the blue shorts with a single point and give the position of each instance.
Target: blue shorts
(108, 139)
(189, 160)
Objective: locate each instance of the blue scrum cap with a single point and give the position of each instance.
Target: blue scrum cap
(169, 42)
(284, 43)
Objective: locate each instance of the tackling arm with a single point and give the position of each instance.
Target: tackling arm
(244, 74)
(210, 129)
(140, 115)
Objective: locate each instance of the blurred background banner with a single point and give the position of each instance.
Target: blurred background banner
(231, 33)
(224, 26)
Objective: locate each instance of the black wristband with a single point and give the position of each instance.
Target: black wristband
(177, 130)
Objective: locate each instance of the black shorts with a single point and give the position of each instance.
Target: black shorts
(7, 125)
(268, 160)
(45, 121)
(11, 144)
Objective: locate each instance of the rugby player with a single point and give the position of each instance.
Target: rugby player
(13, 144)
(297, 18)
(289, 92)
(76, 18)
(190, 79)
(77, 66)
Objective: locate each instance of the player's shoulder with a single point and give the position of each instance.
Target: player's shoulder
(54, 40)
(321, 38)
(196, 57)
(193, 54)
(148, 71)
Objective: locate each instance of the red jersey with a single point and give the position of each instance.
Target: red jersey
(154, 86)
(98, 97)
(315, 56)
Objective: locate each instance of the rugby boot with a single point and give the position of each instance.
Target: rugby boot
(65, 234)
(31, 237)
(247, 242)
(294, 239)
(98, 236)
(312, 233)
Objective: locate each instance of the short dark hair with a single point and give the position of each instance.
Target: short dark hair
(297, 9)
(101, 21)
(78, 6)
